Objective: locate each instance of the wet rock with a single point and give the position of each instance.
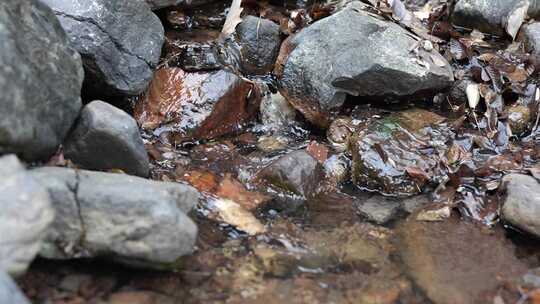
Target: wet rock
(9, 292)
(259, 41)
(519, 117)
(107, 138)
(521, 207)
(400, 153)
(378, 209)
(132, 220)
(26, 214)
(488, 16)
(276, 112)
(120, 43)
(157, 4)
(455, 261)
(197, 105)
(204, 17)
(40, 80)
(412, 204)
(192, 56)
(296, 173)
(364, 56)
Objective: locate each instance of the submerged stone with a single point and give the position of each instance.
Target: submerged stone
(296, 173)
(197, 105)
(399, 154)
(455, 261)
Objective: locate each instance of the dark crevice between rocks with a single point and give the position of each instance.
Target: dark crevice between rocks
(118, 45)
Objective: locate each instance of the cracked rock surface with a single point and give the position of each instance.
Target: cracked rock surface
(134, 221)
(40, 80)
(25, 216)
(120, 42)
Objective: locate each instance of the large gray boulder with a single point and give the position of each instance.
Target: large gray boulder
(521, 207)
(25, 215)
(106, 137)
(489, 16)
(9, 292)
(40, 80)
(352, 52)
(132, 220)
(120, 42)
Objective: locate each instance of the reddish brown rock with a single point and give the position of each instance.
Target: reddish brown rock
(197, 105)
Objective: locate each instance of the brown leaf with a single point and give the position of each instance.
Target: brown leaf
(318, 151)
(232, 189)
(417, 174)
(204, 181)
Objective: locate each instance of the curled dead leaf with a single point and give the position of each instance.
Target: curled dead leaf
(235, 215)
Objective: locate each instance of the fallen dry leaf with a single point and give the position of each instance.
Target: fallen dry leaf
(232, 189)
(204, 181)
(318, 151)
(235, 215)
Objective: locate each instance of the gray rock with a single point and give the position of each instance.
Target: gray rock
(132, 220)
(412, 204)
(26, 214)
(521, 207)
(106, 138)
(9, 292)
(120, 42)
(296, 173)
(157, 4)
(531, 36)
(378, 209)
(40, 80)
(487, 16)
(352, 52)
(259, 41)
